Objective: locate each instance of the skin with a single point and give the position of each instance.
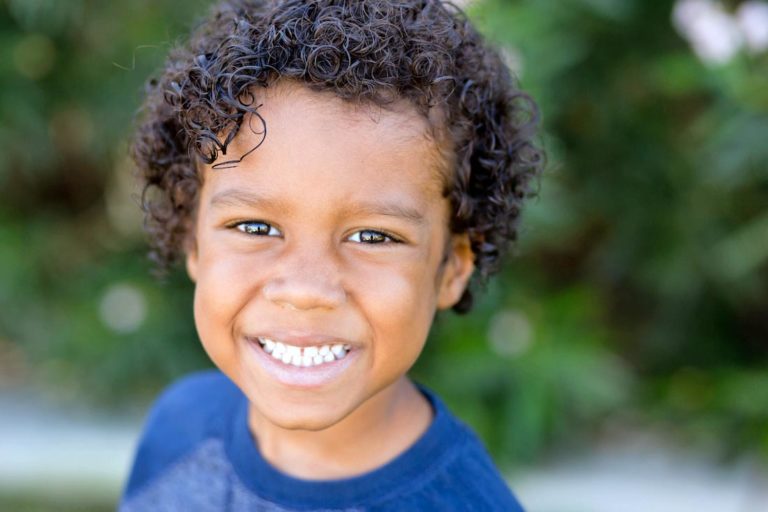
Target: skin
(314, 187)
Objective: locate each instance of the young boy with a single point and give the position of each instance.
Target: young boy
(333, 172)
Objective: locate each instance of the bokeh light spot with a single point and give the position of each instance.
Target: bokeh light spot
(123, 308)
(510, 333)
(34, 56)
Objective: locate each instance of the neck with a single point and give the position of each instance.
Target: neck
(379, 430)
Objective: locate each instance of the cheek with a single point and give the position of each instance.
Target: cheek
(225, 278)
(399, 305)
(220, 291)
(211, 324)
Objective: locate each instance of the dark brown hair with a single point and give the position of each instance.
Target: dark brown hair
(373, 51)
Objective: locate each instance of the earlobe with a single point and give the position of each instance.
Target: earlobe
(191, 261)
(189, 246)
(458, 269)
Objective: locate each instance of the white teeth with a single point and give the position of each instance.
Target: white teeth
(304, 357)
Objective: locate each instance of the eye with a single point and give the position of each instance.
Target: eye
(257, 227)
(370, 236)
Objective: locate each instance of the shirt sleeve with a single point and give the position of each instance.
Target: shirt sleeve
(185, 414)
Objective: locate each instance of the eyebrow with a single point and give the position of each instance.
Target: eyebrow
(241, 198)
(234, 198)
(387, 209)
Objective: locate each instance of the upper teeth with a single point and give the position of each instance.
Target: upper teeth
(307, 356)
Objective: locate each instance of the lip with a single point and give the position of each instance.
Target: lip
(300, 377)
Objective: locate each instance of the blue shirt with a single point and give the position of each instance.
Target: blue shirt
(197, 455)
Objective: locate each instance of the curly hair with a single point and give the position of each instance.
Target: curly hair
(370, 51)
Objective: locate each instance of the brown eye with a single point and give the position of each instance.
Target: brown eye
(253, 227)
(369, 236)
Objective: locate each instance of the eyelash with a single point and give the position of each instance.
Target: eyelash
(387, 238)
(383, 236)
(241, 226)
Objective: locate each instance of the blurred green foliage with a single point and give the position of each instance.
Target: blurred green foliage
(639, 290)
(26, 504)
(70, 227)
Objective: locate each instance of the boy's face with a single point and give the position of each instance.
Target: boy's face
(333, 232)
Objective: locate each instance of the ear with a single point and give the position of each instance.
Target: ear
(190, 252)
(459, 265)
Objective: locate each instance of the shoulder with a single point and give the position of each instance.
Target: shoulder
(475, 479)
(468, 479)
(191, 410)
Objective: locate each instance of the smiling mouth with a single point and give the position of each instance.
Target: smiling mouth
(303, 356)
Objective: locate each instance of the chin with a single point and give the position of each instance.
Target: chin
(307, 424)
(315, 417)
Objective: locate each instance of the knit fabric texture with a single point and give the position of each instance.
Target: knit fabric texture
(197, 454)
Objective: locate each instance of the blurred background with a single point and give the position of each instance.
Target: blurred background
(621, 358)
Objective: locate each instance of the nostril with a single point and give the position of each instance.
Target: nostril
(302, 293)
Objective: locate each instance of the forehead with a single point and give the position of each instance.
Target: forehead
(315, 138)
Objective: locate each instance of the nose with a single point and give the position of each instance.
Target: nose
(305, 281)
